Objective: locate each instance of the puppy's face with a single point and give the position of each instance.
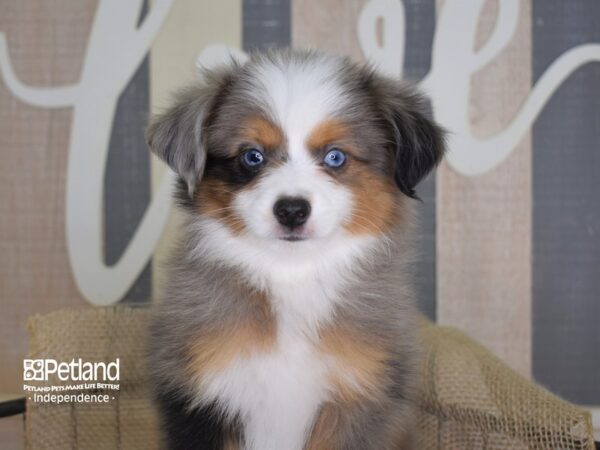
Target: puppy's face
(284, 182)
(297, 147)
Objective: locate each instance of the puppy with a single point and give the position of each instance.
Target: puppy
(288, 320)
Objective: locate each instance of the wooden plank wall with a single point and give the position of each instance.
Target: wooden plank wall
(566, 214)
(127, 175)
(484, 222)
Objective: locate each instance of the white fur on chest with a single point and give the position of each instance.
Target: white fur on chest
(277, 394)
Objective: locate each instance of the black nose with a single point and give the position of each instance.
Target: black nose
(291, 211)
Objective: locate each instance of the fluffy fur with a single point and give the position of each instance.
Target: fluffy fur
(274, 337)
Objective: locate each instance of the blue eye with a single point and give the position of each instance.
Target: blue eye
(334, 158)
(252, 158)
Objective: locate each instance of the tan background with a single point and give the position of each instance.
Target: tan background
(484, 229)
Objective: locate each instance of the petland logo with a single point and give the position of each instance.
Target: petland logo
(76, 370)
(86, 382)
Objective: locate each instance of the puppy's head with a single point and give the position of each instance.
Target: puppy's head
(294, 147)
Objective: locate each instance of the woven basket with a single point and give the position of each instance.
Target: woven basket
(468, 398)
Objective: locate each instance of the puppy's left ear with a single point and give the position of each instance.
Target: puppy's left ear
(419, 143)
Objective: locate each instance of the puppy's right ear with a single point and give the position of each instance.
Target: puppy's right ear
(176, 136)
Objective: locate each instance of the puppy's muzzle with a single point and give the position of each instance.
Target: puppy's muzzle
(291, 212)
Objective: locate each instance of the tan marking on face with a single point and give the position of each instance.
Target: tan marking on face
(254, 333)
(215, 199)
(326, 133)
(375, 195)
(263, 132)
(376, 206)
(361, 364)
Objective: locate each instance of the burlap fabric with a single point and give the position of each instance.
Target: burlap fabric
(468, 398)
(95, 334)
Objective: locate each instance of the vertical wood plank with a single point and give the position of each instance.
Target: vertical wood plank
(190, 27)
(265, 24)
(327, 25)
(127, 176)
(46, 41)
(420, 28)
(566, 215)
(484, 222)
